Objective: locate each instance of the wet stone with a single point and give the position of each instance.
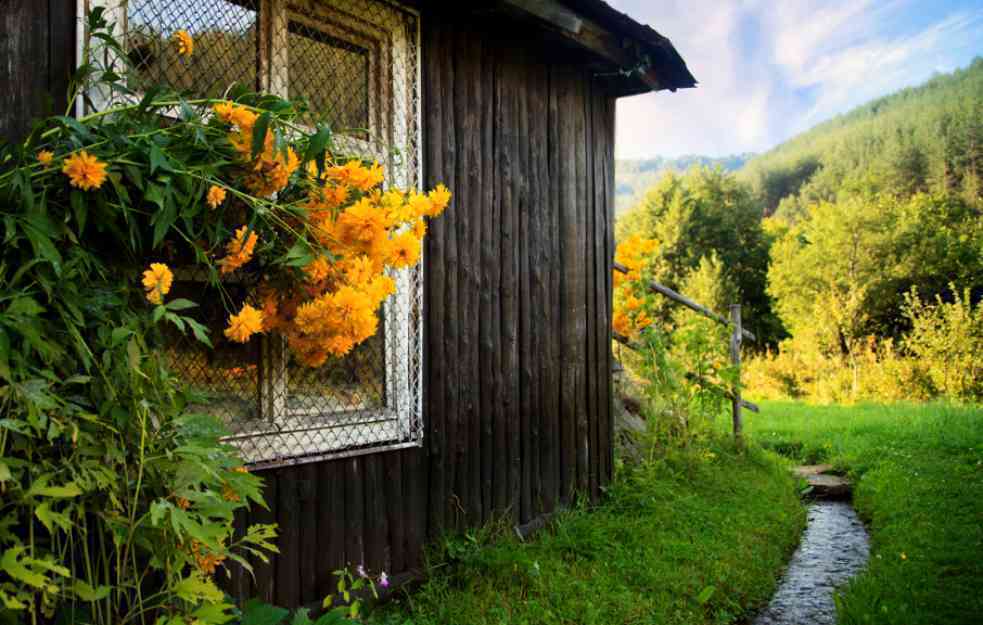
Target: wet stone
(834, 548)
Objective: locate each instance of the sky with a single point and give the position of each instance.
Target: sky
(769, 69)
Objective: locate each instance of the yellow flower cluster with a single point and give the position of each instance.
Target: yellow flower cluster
(368, 230)
(185, 44)
(239, 250)
(363, 229)
(216, 195)
(270, 171)
(84, 171)
(630, 316)
(157, 281)
(248, 322)
(206, 561)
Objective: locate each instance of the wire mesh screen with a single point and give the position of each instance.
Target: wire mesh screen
(226, 44)
(356, 64)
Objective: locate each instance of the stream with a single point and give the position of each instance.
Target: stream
(834, 548)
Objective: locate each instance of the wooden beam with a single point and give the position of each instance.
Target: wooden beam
(588, 35)
(624, 340)
(552, 12)
(685, 301)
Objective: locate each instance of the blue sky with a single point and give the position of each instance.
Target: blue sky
(769, 69)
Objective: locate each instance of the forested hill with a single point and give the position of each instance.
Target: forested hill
(926, 138)
(634, 176)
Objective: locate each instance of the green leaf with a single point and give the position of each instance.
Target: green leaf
(705, 594)
(133, 354)
(158, 160)
(317, 147)
(259, 133)
(86, 592)
(302, 617)
(25, 306)
(180, 304)
(5, 474)
(49, 518)
(196, 588)
(159, 311)
(40, 231)
(119, 335)
(13, 565)
(56, 492)
(255, 612)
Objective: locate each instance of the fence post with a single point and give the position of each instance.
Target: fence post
(735, 359)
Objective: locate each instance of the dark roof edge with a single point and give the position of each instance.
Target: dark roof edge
(666, 63)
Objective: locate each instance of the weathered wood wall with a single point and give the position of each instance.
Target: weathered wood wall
(37, 56)
(518, 291)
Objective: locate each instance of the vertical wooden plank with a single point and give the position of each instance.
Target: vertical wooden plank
(287, 584)
(240, 586)
(602, 342)
(415, 506)
(24, 50)
(376, 521)
(395, 511)
(582, 314)
(571, 309)
(309, 531)
(61, 51)
(609, 256)
(539, 309)
(463, 506)
(435, 276)
(526, 307)
(593, 225)
(475, 171)
(488, 298)
(735, 360)
(354, 512)
(510, 278)
(452, 266)
(550, 440)
(264, 587)
(331, 524)
(504, 289)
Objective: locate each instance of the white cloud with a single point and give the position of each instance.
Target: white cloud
(770, 69)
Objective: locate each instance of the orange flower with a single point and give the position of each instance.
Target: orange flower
(440, 197)
(157, 281)
(216, 195)
(419, 228)
(45, 157)
(621, 324)
(239, 249)
(404, 250)
(248, 322)
(84, 171)
(185, 44)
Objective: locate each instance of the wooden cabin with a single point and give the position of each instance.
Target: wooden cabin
(489, 391)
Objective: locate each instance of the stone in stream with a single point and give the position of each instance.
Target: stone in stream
(824, 486)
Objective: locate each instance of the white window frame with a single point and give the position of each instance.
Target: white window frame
(397, 423)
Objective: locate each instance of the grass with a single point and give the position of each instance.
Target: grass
(919, 486)
(697, 536)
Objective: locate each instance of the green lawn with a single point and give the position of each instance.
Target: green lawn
(696, 537)
(919, 476)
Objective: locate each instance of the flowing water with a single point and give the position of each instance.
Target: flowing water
(833, 549)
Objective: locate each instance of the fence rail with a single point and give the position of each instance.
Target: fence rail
(737, 336)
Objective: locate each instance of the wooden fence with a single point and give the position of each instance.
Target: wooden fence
(737, 336)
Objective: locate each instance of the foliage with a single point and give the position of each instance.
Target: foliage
(926, 138)
(682, 364)
(632, 178)
(696, 535)
(118, 501)
(702, 213)
(947, 338)
(919, 486)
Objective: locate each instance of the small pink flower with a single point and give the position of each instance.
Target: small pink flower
(361, 571)
(384, 580)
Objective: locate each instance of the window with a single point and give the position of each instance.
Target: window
(356, 62)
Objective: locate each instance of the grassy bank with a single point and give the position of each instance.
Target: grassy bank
(919, 473)
(693, 537)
